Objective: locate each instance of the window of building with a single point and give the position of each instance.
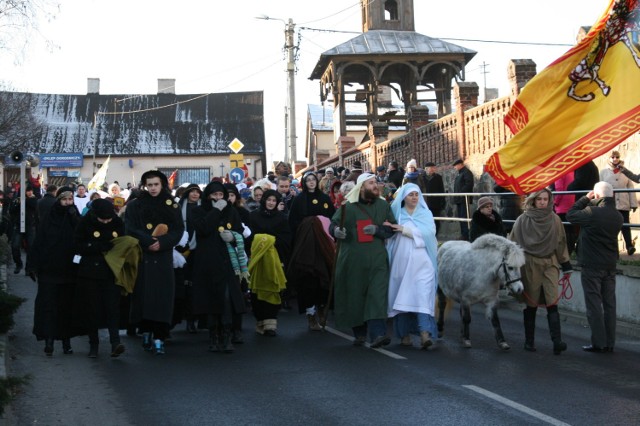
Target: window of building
(390, 10)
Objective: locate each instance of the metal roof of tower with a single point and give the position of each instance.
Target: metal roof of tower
(388, 42)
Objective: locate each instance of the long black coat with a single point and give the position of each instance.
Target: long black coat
(152, 297)
(433, 184)
(273, 223)
(306, 204)
(97, 295)
(212, 269)
(52, 258)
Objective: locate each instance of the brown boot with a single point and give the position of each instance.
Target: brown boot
(313, 323)
(425, 339)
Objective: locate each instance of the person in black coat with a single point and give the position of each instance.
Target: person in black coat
(154, 220)
(51, 258)
(486, 220)
(216, 283)
(97, 303)
(462, 184)
(584, 178)
(269, 220)
(46, 202)
(433, 184)
(310, 202)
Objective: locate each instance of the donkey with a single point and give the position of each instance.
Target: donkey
(470, 273)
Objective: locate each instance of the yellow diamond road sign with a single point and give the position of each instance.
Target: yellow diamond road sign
(236, 146)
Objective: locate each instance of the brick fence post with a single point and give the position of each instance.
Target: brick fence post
(520, 71)
(466, 97)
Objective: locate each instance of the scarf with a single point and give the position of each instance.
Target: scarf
(238, 257)
(537, 232)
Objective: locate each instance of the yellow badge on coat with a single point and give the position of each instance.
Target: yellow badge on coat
(169, 202)
(314, 201)
(114, 234)
(220, 228)
(96, 234)
(149, 226)
(325, 205)
(228, 226)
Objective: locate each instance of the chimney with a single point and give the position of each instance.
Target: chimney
(93, 86)
(167, 86)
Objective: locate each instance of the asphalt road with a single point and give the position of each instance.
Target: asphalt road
(319, 378)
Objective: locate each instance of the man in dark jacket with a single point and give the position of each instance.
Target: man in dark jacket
(31, 220)
(395, 174)
(45, 203)
(433, 184)
(600, 224)
(463, 183)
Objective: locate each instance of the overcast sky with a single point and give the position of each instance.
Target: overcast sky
(219, 46)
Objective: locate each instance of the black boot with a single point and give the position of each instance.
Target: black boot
(553, 316)
(227, 346)
(529, 314)
(48, 347)
(66, 347)
(93, 350)
(215, 345)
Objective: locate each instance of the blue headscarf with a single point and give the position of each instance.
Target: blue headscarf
(421, 216)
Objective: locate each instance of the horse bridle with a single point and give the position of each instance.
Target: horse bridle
(507, 277)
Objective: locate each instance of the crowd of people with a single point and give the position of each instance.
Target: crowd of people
(361, 243)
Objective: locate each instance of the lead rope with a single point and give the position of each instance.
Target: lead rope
(566, 292)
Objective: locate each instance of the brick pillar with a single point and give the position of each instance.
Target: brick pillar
(466, 95)
(378, 132)
(418, 116)
(344, 144)
(520, 71)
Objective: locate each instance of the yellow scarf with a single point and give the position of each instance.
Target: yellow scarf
(265, 268)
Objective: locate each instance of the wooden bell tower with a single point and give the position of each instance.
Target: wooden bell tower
(360, 75)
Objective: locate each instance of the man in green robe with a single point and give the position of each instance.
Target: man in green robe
(362, 268)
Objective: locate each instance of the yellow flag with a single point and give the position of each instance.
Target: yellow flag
(579, 107)
(96, 182)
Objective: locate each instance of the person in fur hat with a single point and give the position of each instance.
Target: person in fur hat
(154, 220)
(486, 220)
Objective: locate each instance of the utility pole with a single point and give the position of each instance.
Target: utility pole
(291, 89)
(484, 75)
(290, 151)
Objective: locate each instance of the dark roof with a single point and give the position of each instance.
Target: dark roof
(188, 124)
(387, 42)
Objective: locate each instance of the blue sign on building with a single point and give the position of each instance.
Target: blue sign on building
(74, 159)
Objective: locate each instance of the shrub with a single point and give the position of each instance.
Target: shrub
(9, 304)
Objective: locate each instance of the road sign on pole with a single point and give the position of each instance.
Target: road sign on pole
(236, 175)
(236, 146)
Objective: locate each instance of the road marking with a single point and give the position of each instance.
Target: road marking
(351, 339)
(519, 407)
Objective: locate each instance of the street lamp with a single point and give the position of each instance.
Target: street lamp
(290, 152)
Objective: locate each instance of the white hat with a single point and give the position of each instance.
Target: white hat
(412, 163)
(364, 176)
(329, 169)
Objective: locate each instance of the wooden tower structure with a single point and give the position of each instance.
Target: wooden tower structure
(388, 56)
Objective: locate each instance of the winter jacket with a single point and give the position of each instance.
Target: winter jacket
(463, 183)
(624, 200)
(600, 224)
(481, 224)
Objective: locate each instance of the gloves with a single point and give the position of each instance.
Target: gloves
(567, 269)
(226, 236)
(220, 204)
(370, 229)
(340, 233)
(407, 232)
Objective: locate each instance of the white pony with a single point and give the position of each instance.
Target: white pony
(470, 273)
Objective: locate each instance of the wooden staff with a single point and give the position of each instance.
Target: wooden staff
(323, 320)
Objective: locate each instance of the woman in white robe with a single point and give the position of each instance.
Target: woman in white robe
(413, 278)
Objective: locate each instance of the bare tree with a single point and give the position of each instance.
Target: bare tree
(19, 125)
(20, 22)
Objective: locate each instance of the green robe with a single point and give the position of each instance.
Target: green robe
(362, 270)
